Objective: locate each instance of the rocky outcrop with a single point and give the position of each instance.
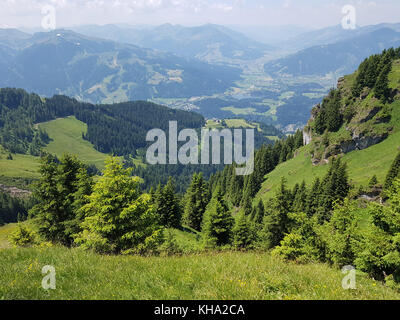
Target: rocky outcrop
(307, 137)
(371, 114)
(315, 111)
(357, 143)
(340, 82)
(307, 132)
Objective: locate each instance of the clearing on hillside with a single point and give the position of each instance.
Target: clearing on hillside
(66, 135)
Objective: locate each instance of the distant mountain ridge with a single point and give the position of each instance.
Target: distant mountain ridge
(330, 35)
(341, 57)
(103, 71)
(207, 42)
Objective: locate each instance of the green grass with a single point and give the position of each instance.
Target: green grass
(221, 276)
(212, 124)
(22, 166)
(362, 165)
(5, 231)
(239, 111)
(394, 75)
(66, 135)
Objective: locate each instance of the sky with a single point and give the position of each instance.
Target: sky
(312, 14)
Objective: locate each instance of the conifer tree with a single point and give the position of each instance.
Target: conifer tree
(59, 193)
(382, 90)
(236, 189)
(196, 202)
(218, 222)
(167, 205)
(276, 224)
(314, 198)
(241, 232)
(118, 218)
(247, 205)
(334, 117)
(393, 173)
(300, 202)
(373, 182)
(259, 213)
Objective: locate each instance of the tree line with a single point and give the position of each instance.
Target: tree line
(118, 129)
(373, 74)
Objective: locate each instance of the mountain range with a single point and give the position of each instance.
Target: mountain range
(212, 69)
(340, 57)
(98, 70)
(211, 43)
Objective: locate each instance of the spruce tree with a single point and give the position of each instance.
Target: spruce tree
(333, 117)
(247, 205)
(393, 173)
(218, 222)
(320, 121)
(118, 218)
(373, 182)
(300, 202)
(196, 202)
(360, 82)
(259, 213)
(382, 90)
(242, 232)
(276, 224)
(314, 198)
(60, 192)
(167, 206)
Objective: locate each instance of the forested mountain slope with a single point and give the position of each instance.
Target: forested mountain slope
(359, 121)
(118, 129)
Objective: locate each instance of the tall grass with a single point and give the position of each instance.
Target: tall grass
(226, 276)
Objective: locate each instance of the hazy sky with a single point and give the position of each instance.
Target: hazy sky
(309, 13)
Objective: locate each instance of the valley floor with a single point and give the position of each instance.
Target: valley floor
(208, 276)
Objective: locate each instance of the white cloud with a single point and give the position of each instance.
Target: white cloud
(302, 12)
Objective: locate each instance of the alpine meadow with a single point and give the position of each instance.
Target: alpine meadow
(86, 214)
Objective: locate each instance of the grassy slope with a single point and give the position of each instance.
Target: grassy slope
(362, 165)
(5, 231)
(21, 166)
(67, 137)
(230, 275)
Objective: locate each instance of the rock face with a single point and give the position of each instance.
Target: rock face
(315, 111)
(372, 113)
(361, 143)
(307, 138)
(307, 132)
(360, 132)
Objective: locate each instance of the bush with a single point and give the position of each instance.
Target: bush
(302, 244)
(379, 252)
(23, 237)
(170, 246)
(341, 234)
